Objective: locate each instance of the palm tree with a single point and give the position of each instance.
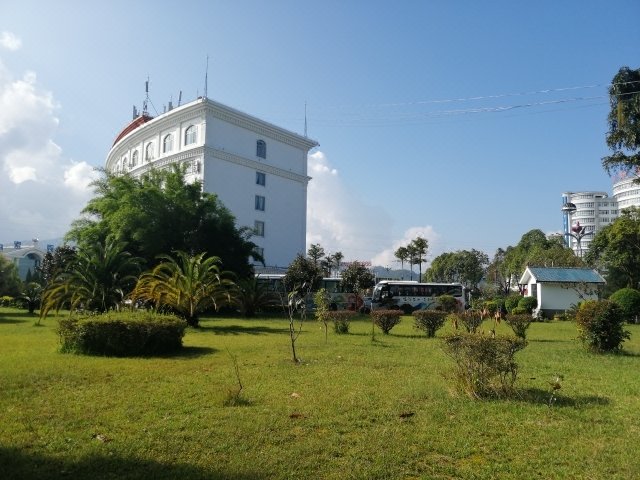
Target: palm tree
(337, 258)
(31, 296)
(96, 279)
(188, 285)
(420, 246)
(254, 295)
(402, 254)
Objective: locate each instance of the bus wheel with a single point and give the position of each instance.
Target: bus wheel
(407, 309)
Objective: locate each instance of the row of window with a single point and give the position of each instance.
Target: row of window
(190, 137)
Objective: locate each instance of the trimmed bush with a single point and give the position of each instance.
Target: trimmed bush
(628, 299)
(491, 307)
(469, 319)
(122, 334)
(448, 303)
(386, 319)
(484, 365)
(511, 302)
(601, 326)
(7, 301)
(519, 323)
(429, 321)
(528, 303)
(341, 320)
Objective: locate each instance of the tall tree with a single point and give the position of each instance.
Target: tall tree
(419, 247)
(616, 248)
(162, 213)
(10, 283)
(464, 266)
(302, 273)
(56, 261)
(356, 278)
(337, 261)
(315, 253)
(401, 254)
(623, 137)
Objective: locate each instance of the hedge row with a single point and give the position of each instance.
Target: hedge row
(122, 334)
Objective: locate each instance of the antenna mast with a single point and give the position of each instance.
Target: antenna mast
(206, 79)
(305, 119)
(146, 99)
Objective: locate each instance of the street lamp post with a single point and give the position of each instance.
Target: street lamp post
(578, 232)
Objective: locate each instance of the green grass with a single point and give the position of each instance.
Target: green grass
(362, 409)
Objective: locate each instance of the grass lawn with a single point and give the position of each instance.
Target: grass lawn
(354, 408)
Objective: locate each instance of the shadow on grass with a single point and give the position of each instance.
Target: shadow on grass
(542, 397)
(19, 464)
(18, 317)
(190, 352)
(241, 329)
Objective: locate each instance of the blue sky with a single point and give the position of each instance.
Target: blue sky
(462, 121)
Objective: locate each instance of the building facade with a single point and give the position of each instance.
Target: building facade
(26, 258)
(593, 211)
(257, 170)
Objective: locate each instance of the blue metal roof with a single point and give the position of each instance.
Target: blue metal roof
(555, 274)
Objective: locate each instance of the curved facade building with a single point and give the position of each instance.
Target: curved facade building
(593, 211)
(626, 190)
(258, 170)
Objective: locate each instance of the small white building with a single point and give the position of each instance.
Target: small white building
(556, 289)
(27, 259)
(257, 170)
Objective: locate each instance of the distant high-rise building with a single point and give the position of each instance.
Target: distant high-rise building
(584, 214)
(257, 170)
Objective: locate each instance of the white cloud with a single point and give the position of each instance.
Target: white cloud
(337, 219)
(41, 192)
(9, 41)
(387, 258)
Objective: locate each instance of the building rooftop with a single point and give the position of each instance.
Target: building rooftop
(562, 275)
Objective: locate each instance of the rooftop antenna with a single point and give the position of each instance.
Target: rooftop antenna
(206, 79)
(146, 99)
(305, 119)
(180, 98)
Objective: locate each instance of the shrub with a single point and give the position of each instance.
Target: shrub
(429, 321)
(386, 319)
(448, 303)
(469, 319)
(341, 320)
(628, 299)
(484, 365)
(519, 323)
(520, 311)
(511, 302)
(600, 326)
(490, 307)
(528, 303)
(122, 334)
(7, 301)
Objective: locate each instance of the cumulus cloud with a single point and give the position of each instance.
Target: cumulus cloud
(9, 41)
(337, 219)
(41, 192)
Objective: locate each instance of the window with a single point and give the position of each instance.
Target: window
(190, 135)
(260, 203)
(148, 155)
(167, 143)
(261, 178)
(261, 149)
(124, 164)
(258, 228)
(134, 159)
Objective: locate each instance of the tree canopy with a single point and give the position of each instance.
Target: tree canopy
(623, 137)
(616, 248)
(161, 213)
(10, 283)
(464, 266)
(356, 278)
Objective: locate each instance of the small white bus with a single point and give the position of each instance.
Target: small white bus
(410, 296)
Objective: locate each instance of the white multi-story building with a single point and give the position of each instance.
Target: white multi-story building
(584, 213)
(626, 190)
(258, 170)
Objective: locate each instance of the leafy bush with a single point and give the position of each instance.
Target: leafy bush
(520, 311)
(600, 326)
(519, 323)
(122, 334)
(386, 319)
(511, 301)
(490, 307)
(528, 303)
(429, 321)
(484, 365)
(469, 319)
(448, 303)
(341, 320)
(628, 299)
(7, 301)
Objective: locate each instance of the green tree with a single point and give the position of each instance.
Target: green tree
(402, 254)
(31, 296)
(315, 254)
(254, 296)
(356, 278)
(96, 280)
(10, 283)
(188, 285)
(616, 248)
(419, 247)
(302, 273)
(337, 261)
(464, 266)
(623, 137)
(160, 213)
(628, 299)
(56, 261)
